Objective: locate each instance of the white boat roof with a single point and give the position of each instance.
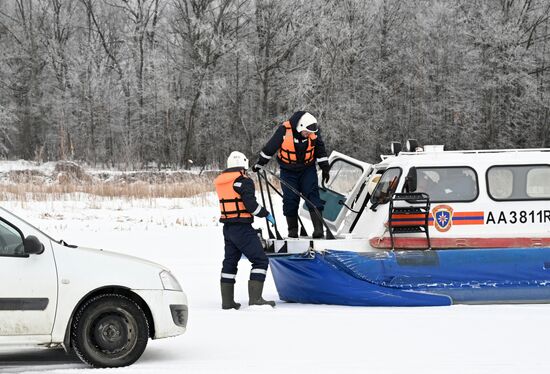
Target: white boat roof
(472, 158)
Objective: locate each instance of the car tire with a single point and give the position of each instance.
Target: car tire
(109, 331)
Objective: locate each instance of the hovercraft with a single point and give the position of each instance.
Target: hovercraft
(424, 227)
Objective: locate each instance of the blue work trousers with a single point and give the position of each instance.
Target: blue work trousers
(242, 239)
(305, 181)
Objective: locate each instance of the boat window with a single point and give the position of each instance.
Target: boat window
(343, 177)
(538, 182)
(448, 184)
(500, 182)
(386, 186)
(519, 182)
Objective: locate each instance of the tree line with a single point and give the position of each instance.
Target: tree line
(173, 83)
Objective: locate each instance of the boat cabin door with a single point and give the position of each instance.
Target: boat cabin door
(348, 179)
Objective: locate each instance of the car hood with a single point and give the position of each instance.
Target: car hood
(121, 257)
(90, 268)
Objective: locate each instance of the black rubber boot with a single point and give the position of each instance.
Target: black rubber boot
(318, 231)
(255, 289)
(292, 223)
(228, 294)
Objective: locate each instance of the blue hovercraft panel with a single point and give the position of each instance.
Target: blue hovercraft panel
(415, 278)
(318, 281)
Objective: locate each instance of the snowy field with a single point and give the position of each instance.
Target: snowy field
(183, 234)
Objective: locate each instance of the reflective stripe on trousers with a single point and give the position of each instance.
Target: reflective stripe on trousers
(241, 239)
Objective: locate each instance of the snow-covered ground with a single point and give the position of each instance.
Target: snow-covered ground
(184, 235)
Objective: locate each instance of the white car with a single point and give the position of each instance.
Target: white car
(103, 305)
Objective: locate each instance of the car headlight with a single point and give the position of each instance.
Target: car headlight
(169, 282)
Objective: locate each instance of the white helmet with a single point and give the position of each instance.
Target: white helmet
(307, 122)
(237, 160)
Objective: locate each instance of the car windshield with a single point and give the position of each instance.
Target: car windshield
(31, 225)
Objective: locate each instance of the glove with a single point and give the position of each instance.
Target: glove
(326, 175)
(271, 219)
(256, 168)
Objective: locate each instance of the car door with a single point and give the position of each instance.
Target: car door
(28, 285)
(348, 178)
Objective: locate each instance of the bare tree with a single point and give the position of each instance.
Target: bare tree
(203, 35)
(141, 82)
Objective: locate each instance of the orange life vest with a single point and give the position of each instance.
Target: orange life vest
(231, 203)
(287, 152)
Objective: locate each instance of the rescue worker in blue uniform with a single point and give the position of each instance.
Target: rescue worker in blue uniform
(298, 145)
(238, 207)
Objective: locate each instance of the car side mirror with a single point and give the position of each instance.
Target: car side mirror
(32, 245)
(410, 181)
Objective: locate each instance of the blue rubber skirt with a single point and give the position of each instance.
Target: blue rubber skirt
(415, 278)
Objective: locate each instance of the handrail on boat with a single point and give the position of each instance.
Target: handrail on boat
(329, 234)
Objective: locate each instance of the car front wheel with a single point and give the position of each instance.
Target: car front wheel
(109, 331)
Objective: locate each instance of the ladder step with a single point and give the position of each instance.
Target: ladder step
(410, 215)
(409, 210)
(411, 197)
(407, 229)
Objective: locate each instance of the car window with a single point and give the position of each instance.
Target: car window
(11, 243)
(343, 177)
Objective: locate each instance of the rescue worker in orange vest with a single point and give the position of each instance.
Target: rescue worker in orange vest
(298, 145)
(238, 207)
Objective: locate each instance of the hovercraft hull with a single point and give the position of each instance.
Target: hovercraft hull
(415, 278)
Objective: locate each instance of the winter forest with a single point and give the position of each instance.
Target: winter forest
(170, 83)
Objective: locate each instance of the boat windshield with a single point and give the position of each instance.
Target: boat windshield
(386, 186)
(343, 177)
